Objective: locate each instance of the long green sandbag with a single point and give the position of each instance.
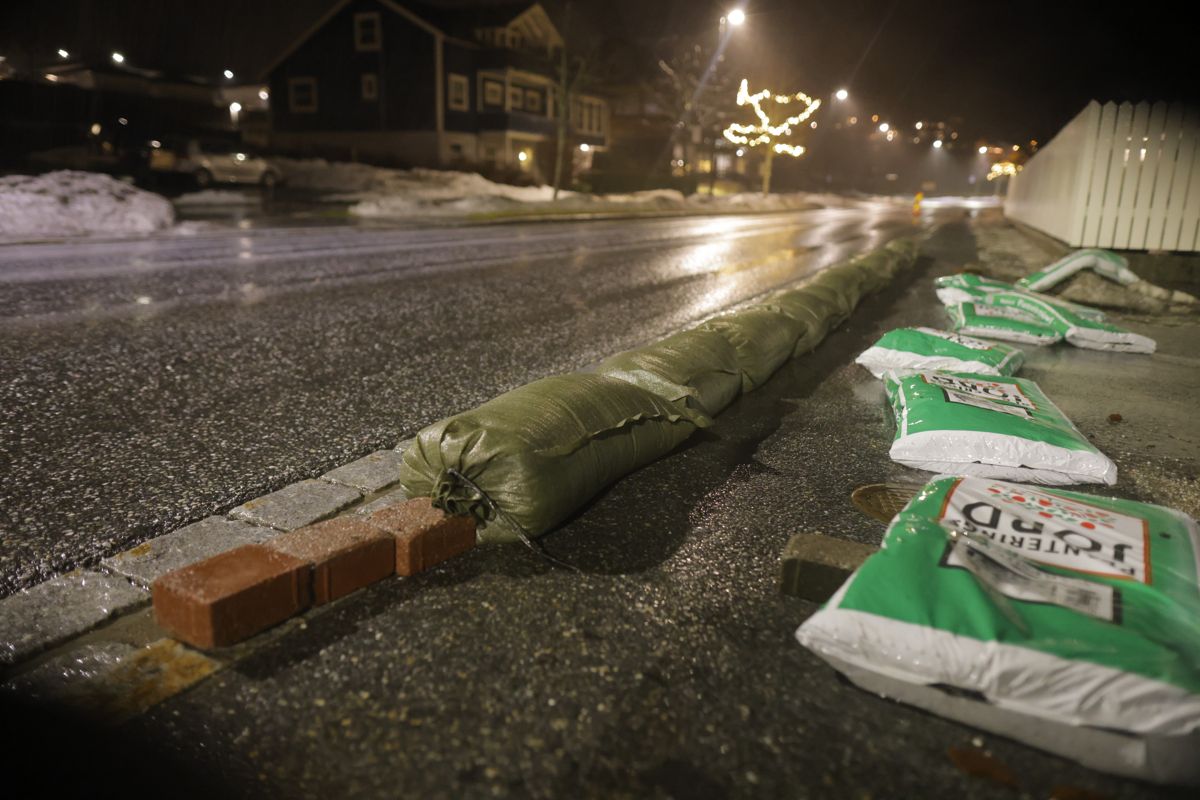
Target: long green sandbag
(696, 369)
(540, 451)
(763, 339)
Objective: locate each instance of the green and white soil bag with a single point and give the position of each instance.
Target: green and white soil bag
(1067, 621)
(968, 288)
(1104, 263)
(1001, 322)
(906, 350)
(696, 369)
(989, 426)
(1075, 328)
(524, 461)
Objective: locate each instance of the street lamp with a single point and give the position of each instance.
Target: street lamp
(884, 127)
(937, 144)
(118, 58)
(841, 94)
(63, 53)
(228, 74)
(736, 17)
(982, 150)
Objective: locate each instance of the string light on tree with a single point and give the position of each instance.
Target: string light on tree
(765, 132)
(1003, 169)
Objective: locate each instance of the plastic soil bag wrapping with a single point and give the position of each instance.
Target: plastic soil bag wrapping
(696, 369)
(541, 451)
(1104, 263)
(989, 426)
(1000, 322)
(1067, 621)
(814, 308)
(1075, 328)
(763, 339)
(905, 350)
(968, 288)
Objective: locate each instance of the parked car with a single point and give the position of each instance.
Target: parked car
(211, 161)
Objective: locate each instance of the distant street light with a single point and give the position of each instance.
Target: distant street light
(583, 148)
(920, 125)
(883, 127)
(63, 53)
(841, 94)
(982, 149)
(736, 17)
(118, 58)
(228, 74)
(937, 144)
(263, 94)
(235, 108)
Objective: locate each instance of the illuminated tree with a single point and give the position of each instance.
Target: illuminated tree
(765, 133)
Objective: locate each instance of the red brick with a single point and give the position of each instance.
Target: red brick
(346, 554)
(231, 596)
(425, 536)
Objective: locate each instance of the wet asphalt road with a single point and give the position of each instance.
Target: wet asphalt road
(147, 384)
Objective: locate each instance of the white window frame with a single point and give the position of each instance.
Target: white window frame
(361, 43)
(369, 86)
(296, 83)
(456, 81)
(493, 93)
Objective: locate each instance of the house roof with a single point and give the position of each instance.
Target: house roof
(458, 22)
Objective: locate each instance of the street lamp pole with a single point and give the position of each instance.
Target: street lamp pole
(735, 18)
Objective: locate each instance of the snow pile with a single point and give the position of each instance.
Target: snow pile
(218, 197)
(382, 192)
(69, 203)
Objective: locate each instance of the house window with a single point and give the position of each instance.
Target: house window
(367, 35)
(370, 86)
(516, 98)
(302, 95)
(458, 100)
(533, 101)
(493, 93)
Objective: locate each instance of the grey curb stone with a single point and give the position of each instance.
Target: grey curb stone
(61, 608)
(196, 542)
(369, 474)
(297, 505)
(394, 496)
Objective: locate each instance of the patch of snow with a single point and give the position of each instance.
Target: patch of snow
(72, 203)
(218, 197)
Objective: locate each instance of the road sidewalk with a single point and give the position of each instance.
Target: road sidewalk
(667, 667)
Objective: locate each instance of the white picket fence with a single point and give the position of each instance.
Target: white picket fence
(1125, 177)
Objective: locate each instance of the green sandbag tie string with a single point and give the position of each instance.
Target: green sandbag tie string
(475, 507)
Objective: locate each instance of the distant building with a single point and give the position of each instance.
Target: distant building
(392, 80)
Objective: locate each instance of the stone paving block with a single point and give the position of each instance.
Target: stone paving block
(369, 474)
(425, 536)
(383, 501)
(815, 566)
(150, 560)
(231, 596)
(346, 554)
(297, 505)
(36, 619)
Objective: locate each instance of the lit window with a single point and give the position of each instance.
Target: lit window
(493, 93)
(370, 86)
(367, 34)
(533, 101)
(302, 95)
(458, 99)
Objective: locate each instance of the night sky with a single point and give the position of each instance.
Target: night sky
(1010, 71)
